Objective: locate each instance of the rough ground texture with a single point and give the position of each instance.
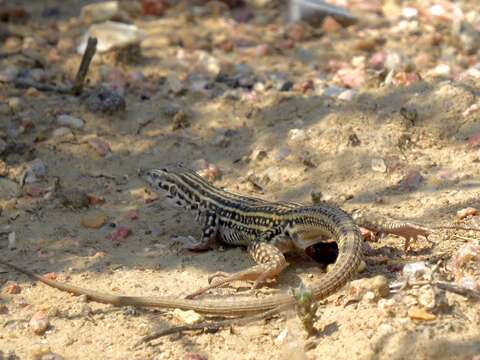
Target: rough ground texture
(382, 115)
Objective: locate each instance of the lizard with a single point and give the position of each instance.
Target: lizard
(267, 229)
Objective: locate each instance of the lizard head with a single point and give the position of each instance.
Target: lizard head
(167, 182)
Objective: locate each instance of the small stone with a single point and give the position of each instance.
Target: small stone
(105, 101)
(463, 213)
(62, 132)
(281, 338)
(111, 35)
(12, 241)
(416, 313)
(12, 288)
(34, 170)
(411, 181)
(409, 12)
(330, 25)
(362, 267)
(44, 353)
(98, 12)
(175, 84)
(94, 220)
(180, 120)
(387, 307)
(297, 135)
(34, 191)
(415, 270)
(14, 103)
(188, 317)
(3, 309)
(70, 121)
(3, 165)
(120, 233)
(39, 323)
(281, 154)
(347, 95)
(379, 165)
(101, 147)
(259, 154)
(377, 287)
(75, 198)
(8, 74)
(211, 173)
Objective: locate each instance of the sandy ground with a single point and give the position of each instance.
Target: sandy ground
(229, 132)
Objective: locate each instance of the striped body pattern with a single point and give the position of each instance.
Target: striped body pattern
(268, 229)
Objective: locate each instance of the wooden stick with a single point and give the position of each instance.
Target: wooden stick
(88, 55)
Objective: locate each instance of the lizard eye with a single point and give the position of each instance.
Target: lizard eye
(173, 190)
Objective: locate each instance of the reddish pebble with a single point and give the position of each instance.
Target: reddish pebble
(51, 276)
(12, 288)
(154, 7)
(377, 60)
(131, 214)
(330, 25)
(119, 233)
(39, 323)
(470, 211)
(100, 146)
(95, 200)
(411, 181)
(474, 140)
(404, 78)
(34, 191)
(352, 78)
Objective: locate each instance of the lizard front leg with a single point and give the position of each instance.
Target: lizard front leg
(209, 234)
(270, 263)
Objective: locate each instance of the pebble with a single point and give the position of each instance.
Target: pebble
(121, 232)
(8, 73)
(281, 154)
(387, 307)
(174, 83)
(12, 288)
(34, 170)
(14, 104)
(281, 338)
(98, 12)
(180, 120)
(411, 181)
(39, 323)
(379, 165)
(347, 95)
(75, 198)
(297, 135)
(94, 220)
(105, 101)
(415, 270)
(101, 147)
(370, 288)
(70, 121)
(416, 313)
(466, 212)
(44, 353)
(8, 188)
(188, 317)
(62, 132)
(111, 35)
(12, 241)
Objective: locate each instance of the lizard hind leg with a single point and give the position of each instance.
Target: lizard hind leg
(270, 263)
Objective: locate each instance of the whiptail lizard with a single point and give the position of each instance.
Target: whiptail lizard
(268, 229)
